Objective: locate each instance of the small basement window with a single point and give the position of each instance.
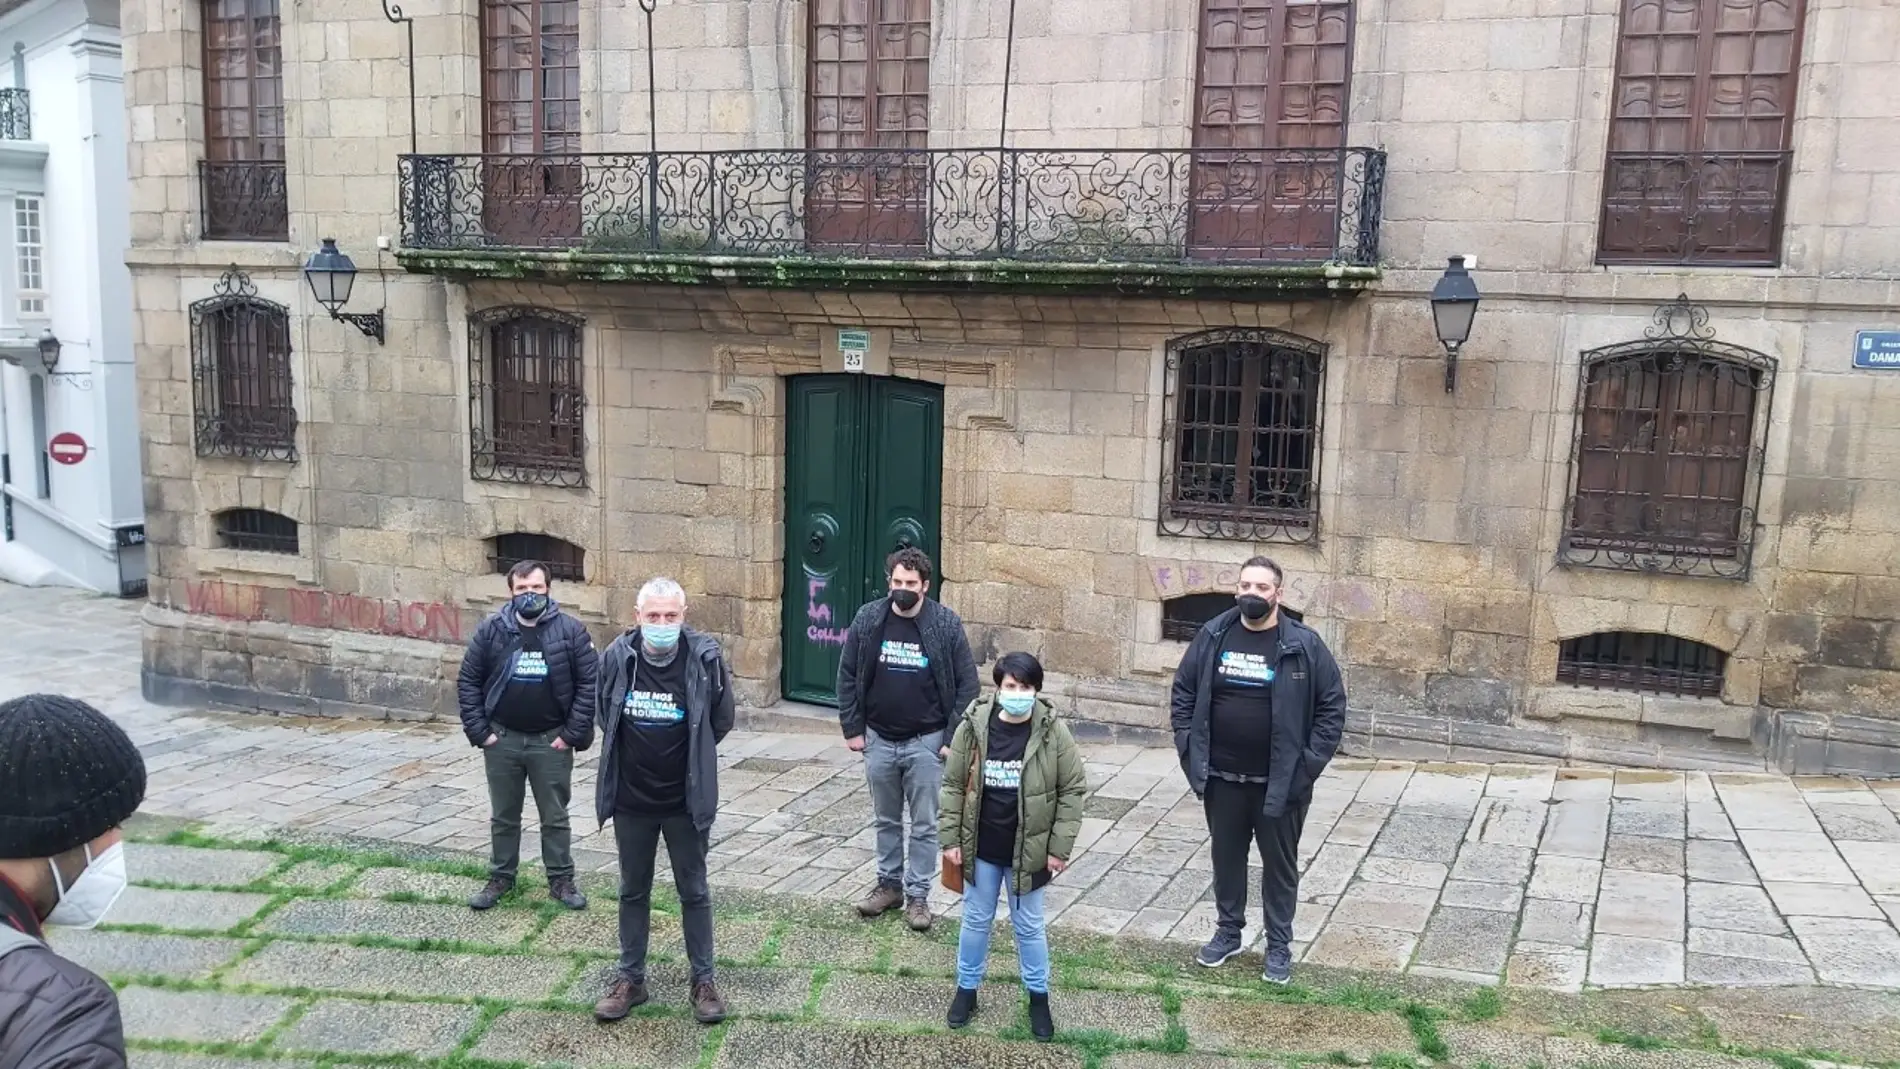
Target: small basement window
(1183, 616)
(1642, 661)
(564, 559)
(257, 529)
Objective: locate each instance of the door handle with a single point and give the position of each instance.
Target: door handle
(816, 541)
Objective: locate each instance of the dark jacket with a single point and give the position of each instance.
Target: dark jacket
(952, 665)
(53, 1014)
(1309, 709)
(490, 660)
(1048, 805)
(709, 716)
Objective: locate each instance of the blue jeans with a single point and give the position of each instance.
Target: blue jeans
(1025, 915)
(905, 774)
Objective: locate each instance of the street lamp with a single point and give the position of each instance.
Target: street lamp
(49, 350)
(331, 274)
(1454, 304)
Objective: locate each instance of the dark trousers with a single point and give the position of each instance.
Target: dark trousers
(518, 763)
(1235, 824)
(638, 840)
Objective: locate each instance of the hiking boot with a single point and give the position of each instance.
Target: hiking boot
(962, 1007)
(491, 894)
(1041, 1025)
(917, 915)
(1224, 945)
(620, 999)
(708, 1007)
(880, 901)
(562, 890)
(1279, 965)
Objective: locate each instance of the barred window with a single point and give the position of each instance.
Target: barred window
(1243, 436)
(525, 397)
(1183, 617)
(257, 529)
(564, 559)
(1642, 661)
(240, 374)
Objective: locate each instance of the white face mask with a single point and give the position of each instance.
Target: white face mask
(85, 903)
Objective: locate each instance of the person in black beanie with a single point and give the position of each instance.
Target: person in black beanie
(69, 777)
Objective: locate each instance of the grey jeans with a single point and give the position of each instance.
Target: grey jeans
(907, 773)
(516, 764)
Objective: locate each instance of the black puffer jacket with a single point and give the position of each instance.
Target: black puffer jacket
(53, 1014)
(572, 664)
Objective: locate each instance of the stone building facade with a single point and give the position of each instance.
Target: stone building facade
(795, 307)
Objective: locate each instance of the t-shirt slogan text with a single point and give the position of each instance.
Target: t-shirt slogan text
(1245, 669)
(653, 707)
(903, 656)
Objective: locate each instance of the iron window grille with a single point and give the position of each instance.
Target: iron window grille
(1183, 617)
(1241, 446)
(1642, 661)
(16, 115)
(564, 559)
(525, 397)
(257, 529)
(240, 373)
(1666, 470)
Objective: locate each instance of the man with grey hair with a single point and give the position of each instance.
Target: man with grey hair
(665, 704)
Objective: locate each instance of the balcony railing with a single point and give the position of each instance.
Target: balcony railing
(1694, 208)
(16, 115)
(1264, 206)
(244, 201)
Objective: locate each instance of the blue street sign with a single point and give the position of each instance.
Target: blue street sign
(1879, 349)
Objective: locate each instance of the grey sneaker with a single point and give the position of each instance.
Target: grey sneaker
(917, 915)
(1224, 945)
(881, 900)
(1279, 965)
(491, 894)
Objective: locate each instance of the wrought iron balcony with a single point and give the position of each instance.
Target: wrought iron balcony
(244, 201)
(16, 115)
(1161, 213)
(1694, 208)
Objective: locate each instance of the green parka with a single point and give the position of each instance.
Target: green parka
(1048, 806)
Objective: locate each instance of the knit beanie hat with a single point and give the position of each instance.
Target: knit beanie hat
(67, 775)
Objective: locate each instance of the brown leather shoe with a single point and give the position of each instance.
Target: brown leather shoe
(917, 915)
(880, 901)
(708, 1007)
(620, 1000)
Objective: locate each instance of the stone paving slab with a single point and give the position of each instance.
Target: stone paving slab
(752, 1044)
(855, 948)
(413, 921)
(200, 1016)
(1289, 1028)
(121, 955)
(542, 1038)
(164, 1059)
(1473, 1044)
(1145, 1060)
(384, 882)
(427, 1030)
(1565, 1053)
(185, 911)
(314, 875)
(376, 971)
(152, 863)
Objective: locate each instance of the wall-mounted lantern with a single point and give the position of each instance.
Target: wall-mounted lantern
(1454, 305)
(331, 274)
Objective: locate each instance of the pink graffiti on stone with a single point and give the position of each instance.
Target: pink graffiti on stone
(819, 616)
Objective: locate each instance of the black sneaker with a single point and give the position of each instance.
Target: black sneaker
(1279, 965)
(1041, 1025)
(562, 890)
(1224, 945)
(962, 1007)
(491, 894)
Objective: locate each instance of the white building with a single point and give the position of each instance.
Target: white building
(69, 439)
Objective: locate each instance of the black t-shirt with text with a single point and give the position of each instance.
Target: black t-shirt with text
(902, 703)
(1241, 714)
(1002, 774)
(653, 739)
(527, 700)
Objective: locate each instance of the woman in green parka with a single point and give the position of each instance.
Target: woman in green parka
(1013, 789)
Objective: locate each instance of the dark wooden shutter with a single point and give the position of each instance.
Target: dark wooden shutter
(1700, 131)
(531, 120)
(243, 169)
(868, 125)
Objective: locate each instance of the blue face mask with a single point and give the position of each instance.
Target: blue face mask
(1017, 702)
(660, 636)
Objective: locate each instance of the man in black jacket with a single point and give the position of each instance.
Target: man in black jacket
(527, 697)
(665, 705)
(906, 674)
(1258, 710)
(69, 777)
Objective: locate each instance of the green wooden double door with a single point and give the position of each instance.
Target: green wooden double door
(863, 476)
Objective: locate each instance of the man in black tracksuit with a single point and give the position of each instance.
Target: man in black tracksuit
(1258, 708)
(526, 692)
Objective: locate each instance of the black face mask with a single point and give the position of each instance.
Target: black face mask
(905, 600)
(1254, 607)
(530, 607)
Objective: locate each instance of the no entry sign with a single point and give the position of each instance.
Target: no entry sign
(67, 448)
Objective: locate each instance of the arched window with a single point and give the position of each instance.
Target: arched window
(240, 373)
(1642, 661)
(1183, 616)
(564, 559)
(525, 397)
(1667, 467)
(1242, 436)
(259, 530)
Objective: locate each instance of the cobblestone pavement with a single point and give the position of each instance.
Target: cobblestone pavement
(1559, 878)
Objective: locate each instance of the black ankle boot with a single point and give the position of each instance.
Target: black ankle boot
(962, 1007)
(1041, 1025)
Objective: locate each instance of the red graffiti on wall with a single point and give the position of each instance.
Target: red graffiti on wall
(432, 620)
